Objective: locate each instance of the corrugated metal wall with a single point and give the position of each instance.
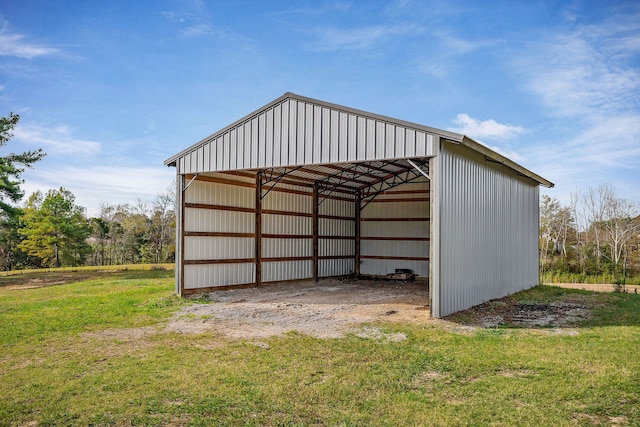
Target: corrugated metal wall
(488, 236)
(213, 234)
(395, 231)
(294, 132)
(336, 243)
(220, 227)
(287, 235)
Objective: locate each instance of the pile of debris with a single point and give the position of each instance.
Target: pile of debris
(402, 274)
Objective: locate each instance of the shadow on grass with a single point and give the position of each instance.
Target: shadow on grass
(34, 280)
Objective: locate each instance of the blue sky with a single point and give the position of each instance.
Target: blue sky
(110, 89)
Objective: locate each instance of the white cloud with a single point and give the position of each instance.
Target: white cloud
(458, 46)
(612, 142)
(479, 130)
(445, 52)
(12, 44)
(55, 140)
(197, 30)
(510, 154)
(587, 76)
(580, 78)
(101, 184)
(178, 17)
(200, 30)
(316, 10)
(195, 24)
(484, 129)
(357, 38)
(586, 71)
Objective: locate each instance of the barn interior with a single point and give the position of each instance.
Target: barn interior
(256, 227)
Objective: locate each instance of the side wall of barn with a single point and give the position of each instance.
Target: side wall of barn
(487, 230)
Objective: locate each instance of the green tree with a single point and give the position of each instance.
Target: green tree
(12, 165)
(134, 225)
(55, 229)
(99, 238)
(161, 232)
(11, 256)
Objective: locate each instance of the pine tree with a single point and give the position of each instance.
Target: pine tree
(12, 165)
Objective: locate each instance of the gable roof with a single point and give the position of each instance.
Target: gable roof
(294, 130)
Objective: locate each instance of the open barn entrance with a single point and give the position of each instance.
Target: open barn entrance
(255, 227)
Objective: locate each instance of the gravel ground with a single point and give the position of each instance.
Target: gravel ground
(330, 308)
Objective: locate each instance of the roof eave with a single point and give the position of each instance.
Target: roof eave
(497, 157)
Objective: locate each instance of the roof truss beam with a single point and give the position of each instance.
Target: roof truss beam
(405, 175)
(367, 178)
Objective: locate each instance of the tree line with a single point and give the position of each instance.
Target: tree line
(596, 234)
(51, 230)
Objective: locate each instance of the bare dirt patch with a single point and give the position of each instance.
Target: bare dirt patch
(43, 279)
(330, 308)
(510, 312)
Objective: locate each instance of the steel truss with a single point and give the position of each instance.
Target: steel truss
(359, 180)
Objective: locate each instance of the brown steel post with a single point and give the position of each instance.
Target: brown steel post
(258, 228)
(181, 185)
(315, 232)
(357, 232)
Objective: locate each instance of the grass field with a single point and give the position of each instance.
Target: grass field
(93, 351)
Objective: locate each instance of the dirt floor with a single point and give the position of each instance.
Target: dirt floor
(327, 309)
(332, 308)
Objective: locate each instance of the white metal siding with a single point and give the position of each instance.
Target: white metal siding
(335, 267)
(284, 235)
(336, 227)
(204, 192)
(202, 248)
(198, 248)
(206, 276)
(287, 225)
(300, 132)
(488, 230)
(286, 270)
(383, 227)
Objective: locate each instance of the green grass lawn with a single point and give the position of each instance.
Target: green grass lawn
(93, 352)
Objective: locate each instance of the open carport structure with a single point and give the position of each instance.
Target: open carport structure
(304, 189)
